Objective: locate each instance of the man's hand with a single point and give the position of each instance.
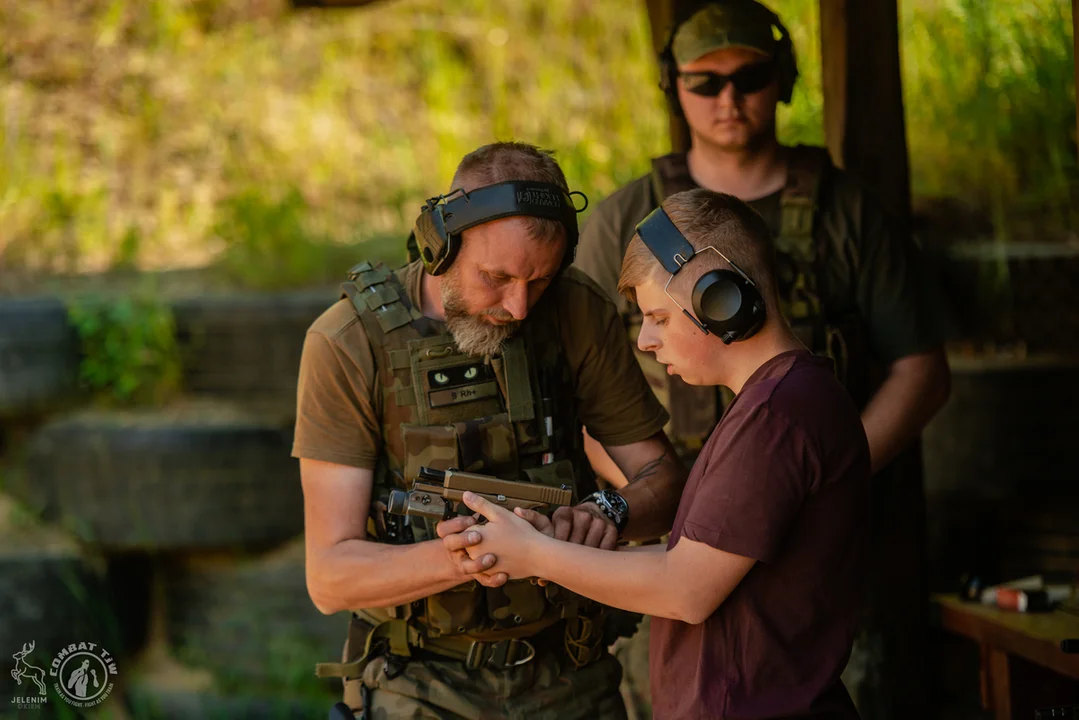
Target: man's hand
(585, 525)
(457, 541)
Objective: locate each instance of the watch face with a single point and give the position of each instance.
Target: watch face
(618, 503)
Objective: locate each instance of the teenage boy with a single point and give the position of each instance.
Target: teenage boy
(756, 596)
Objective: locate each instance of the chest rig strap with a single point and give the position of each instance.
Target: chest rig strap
(515, 379)
(369, 289)
(670, 175)
(804, 251)
(796, 245)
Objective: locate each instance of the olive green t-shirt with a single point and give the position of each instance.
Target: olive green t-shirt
(871, 269)
(339, 405)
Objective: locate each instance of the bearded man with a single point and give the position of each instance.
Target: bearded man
(487, 353)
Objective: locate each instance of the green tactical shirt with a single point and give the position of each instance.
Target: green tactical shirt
(870, 268)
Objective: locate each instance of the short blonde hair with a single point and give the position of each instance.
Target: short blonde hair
(707, 218)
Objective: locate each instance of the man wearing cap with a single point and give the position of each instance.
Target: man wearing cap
(851, 288)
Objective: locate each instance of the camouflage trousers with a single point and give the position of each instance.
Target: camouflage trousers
(547, 687)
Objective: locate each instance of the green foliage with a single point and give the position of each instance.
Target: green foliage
(267, 244)
(990, 101)
(803, 120)
(165, 133)
(129, 347)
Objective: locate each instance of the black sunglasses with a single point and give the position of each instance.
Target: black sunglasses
(746, 80)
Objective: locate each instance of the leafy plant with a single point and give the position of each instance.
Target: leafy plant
(130, 354)
(268, 243)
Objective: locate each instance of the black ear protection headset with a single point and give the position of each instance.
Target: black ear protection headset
(785, 63)
(444, 217)
(725, 302)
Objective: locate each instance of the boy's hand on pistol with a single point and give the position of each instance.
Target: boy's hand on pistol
(456, 539)
(511, 537)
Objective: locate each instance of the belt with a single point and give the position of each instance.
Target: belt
(396, 638)
(475, 654)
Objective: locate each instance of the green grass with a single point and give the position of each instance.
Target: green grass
(175, 133)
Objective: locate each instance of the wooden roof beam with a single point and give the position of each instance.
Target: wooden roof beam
(863, 95)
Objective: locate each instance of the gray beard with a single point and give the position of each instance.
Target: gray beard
(472, 333)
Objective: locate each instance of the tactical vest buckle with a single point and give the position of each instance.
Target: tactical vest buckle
(502, 654)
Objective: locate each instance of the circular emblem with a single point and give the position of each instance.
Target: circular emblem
(83, 674)
(471, 372)
(441, 378)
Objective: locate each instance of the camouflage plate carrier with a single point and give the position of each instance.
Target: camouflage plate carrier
(799, 269)
(513, 418)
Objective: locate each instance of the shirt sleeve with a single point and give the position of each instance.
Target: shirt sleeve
(754, 486)
(599, 251)
(614, 399)
(894, 292)
(336, 419)
(606, 235)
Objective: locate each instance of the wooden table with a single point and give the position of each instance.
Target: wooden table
(1004, 636)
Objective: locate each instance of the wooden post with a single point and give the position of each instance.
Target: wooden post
(863, 96)
(661, 14)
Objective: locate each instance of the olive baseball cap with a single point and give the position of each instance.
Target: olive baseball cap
(735, 23)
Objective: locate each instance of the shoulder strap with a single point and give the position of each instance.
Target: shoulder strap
(670, 175)
(376, 290)
(799, 200)
(390, 319)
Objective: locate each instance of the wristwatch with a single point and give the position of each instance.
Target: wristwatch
(613, 506)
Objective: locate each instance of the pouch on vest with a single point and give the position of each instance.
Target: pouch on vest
(484, 446)
(450, 386)
(456, 610)
(518, 602)
(433, 446)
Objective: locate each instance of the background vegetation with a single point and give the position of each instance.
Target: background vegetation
(175, 133)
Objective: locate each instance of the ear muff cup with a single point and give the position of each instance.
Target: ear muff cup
(786, 66)
(728, 305)
(436, 248)
(717, 297)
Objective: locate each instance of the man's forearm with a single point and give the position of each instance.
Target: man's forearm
(358, 574)
(653, 493)
(914, 390)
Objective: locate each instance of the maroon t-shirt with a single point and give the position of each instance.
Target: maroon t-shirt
(783, 479)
